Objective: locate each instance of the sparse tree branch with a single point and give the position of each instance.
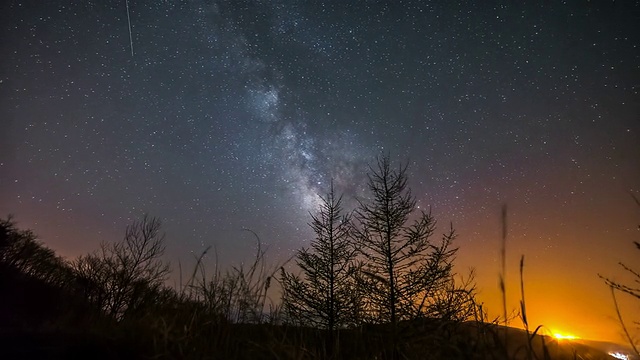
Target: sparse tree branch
(121, 276)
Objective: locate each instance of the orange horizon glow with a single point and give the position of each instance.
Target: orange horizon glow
(559, 298)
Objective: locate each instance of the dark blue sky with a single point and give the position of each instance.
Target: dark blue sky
(233, 115)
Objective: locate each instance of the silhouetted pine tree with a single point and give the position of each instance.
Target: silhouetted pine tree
(404, 267)
(324, 296)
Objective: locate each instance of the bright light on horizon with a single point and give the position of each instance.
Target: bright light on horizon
(560, 336)
(618, 355)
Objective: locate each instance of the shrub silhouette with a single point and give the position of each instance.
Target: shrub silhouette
(21, 250)
(35, 283)
(122, 278)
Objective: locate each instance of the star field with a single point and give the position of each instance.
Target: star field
(233, 115)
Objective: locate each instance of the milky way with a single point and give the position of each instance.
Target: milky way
(237, 115)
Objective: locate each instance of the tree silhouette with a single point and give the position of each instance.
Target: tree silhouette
(404, 268)
(36, 285)
(629, 289)
(22, 251)
(324, 296)
(632, 290)
(122, 277)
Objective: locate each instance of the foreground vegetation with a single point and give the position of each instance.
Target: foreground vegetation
(375, 284)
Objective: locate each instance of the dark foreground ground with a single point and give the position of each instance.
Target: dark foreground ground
(415, 341)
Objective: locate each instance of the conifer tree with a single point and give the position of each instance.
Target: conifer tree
(323, 296)
(404, 267)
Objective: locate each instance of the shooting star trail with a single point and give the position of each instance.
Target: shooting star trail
(129, 21)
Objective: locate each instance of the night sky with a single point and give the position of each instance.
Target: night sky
(236, 114)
